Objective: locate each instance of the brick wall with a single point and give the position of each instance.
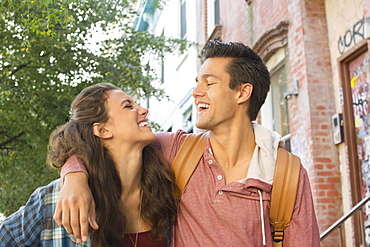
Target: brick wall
(366, 5)
(311, 111)
(267, 14)
(201, 15)
(234, 20)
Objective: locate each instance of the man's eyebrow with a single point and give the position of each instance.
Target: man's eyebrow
(205, 76)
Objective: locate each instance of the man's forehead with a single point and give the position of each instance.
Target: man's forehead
(215, 63)
(214, 68)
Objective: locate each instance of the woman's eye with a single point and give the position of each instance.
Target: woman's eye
(128, 106)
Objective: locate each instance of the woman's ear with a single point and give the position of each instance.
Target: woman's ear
(101, 131)
(245, 92)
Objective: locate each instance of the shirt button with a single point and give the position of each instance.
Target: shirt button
(220, 192)
(210, 161)
(219, 177)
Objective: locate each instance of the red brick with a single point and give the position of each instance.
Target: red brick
(323, 160)
(333, 180)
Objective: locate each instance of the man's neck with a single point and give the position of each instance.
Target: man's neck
(233, 150)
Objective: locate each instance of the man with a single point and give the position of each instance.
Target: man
(226, 201)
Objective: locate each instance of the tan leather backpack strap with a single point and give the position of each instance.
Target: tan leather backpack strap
(284, 193)
(187, 158)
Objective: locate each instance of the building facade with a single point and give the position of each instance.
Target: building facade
(318, 55)
(176, 72)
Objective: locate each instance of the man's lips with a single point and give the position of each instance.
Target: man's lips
(202, 106)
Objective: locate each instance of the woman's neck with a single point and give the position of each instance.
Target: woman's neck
(129, 169)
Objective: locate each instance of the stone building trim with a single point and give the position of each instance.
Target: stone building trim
(273, 39)
(215, 35)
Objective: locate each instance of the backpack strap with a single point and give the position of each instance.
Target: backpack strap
(284, 193)
(284, 189)
(187, 159)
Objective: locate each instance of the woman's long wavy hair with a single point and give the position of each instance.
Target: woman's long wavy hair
(159, 204)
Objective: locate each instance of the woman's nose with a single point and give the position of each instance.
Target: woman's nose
(143, 111)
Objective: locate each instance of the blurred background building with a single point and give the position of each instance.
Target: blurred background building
(318, 55)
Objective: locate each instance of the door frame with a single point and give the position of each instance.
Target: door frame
(350, 134)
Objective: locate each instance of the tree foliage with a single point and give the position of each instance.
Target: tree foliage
(46, 59)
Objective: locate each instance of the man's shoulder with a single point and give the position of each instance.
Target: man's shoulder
(169, 142)
(168, 139)
(171, 135)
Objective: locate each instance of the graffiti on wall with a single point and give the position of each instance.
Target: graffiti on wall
(352, 36)
(360, 97)
(360, 87)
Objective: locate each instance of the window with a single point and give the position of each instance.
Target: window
(187, 120)
(217, 11)
(274, 113)
(183, 20)
(161, 65)
(280, 117)
(279, 104)
(213, 15)
(162, 71)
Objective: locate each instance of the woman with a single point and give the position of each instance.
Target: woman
(139, 206)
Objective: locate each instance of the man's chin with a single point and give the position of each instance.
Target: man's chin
(201, 126)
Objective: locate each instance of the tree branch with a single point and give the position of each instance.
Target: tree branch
(20, 67)
(2, 145)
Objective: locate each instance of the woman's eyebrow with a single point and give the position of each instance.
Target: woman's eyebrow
(125, 100)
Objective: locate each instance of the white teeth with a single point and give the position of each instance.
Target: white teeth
(142, 124)
(203, 106)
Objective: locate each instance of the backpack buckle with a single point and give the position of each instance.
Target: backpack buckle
(278, 236)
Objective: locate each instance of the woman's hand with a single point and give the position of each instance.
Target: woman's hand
(75, 209)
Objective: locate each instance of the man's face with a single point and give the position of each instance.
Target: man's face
(215, 101)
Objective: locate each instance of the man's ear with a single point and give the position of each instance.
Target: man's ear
(245, 93)
(101, 131)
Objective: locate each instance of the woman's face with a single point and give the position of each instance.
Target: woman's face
(127, 120)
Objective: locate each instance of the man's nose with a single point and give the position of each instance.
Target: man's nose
(198, 91)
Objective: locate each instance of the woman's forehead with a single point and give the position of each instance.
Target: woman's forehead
(118, 95)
